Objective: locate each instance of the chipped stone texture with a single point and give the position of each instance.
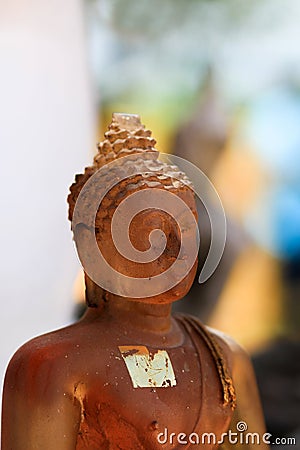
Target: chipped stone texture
(148, 369)
(105, 429)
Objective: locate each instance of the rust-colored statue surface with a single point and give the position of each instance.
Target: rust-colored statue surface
(129, 375)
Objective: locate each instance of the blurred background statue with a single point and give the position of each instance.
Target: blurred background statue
(202, 140)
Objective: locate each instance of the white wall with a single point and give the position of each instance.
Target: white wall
(46, 135)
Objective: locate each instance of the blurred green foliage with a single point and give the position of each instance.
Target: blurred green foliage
(153, 55)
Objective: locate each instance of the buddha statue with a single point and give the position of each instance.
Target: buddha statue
(129, 375)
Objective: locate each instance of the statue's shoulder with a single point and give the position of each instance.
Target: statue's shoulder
(231, 360)
(47, 346)
(231, 350)
(234, 352)
(42, 362)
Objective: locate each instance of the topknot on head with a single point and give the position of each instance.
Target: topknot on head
(126, 135)
(124, 121)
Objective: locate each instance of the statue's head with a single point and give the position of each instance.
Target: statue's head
(118, 202)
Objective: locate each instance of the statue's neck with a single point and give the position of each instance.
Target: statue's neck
(143, 323)
(149, 317)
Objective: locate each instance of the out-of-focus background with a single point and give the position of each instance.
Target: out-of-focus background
(219, 84)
